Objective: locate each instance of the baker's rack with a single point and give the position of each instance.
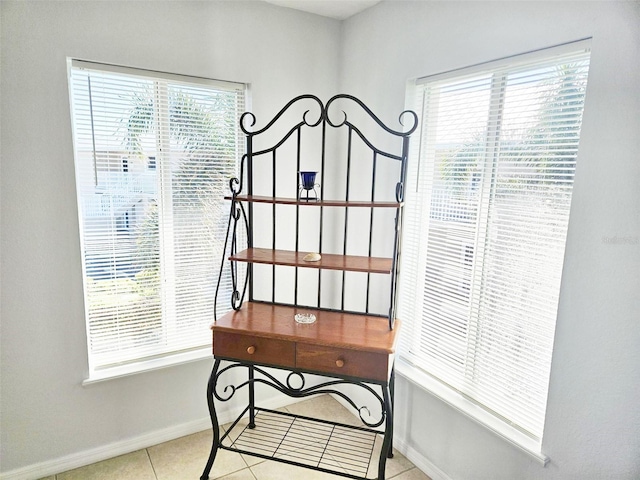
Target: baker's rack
(269, 184)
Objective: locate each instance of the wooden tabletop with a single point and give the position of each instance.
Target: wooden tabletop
(337, 329)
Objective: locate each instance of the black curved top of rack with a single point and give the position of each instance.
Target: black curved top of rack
(323, 114)
(316, 113)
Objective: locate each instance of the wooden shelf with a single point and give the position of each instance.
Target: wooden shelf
(331, 328)
(319, 203)
(351, 263)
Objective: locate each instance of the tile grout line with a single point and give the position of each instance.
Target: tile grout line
(153, 469)
(253, 474)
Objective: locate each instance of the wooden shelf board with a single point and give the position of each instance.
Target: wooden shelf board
(334, 329)
(351, 263)
(322, 203)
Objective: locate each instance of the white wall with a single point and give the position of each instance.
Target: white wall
(593, 419)
(46, 414)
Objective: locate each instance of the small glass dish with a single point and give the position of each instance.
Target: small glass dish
(305, 317)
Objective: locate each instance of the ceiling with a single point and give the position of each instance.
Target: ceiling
(338, 9)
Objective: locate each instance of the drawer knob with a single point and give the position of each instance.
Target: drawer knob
(251, 350)
(340, 363)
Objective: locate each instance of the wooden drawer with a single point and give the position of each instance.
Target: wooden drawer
(343, 361)
(255, 349)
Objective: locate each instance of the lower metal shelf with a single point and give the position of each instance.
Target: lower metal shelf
(340, 449)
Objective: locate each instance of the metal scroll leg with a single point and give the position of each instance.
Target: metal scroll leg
(388, 432)
(252, 401)
(392, 384)
(214, 421)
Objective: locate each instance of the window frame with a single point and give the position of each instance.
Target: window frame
(170, 357)
(405, 367)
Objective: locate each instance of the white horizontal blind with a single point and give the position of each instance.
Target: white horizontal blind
(486, 229)
(154, 155)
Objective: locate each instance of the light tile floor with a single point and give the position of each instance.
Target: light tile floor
(185, 457)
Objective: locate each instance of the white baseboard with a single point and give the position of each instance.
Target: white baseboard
(104, 452)
(405, 449)
(419, 460)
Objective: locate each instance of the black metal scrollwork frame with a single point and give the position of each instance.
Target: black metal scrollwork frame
(241, 218)
(300, 391)
(237, 186)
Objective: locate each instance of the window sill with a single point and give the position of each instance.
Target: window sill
(458, 402)
(147, 366)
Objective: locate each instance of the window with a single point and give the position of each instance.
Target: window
(154, 155)
(486, 227)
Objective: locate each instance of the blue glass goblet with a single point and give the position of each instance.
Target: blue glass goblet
(307, 187)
